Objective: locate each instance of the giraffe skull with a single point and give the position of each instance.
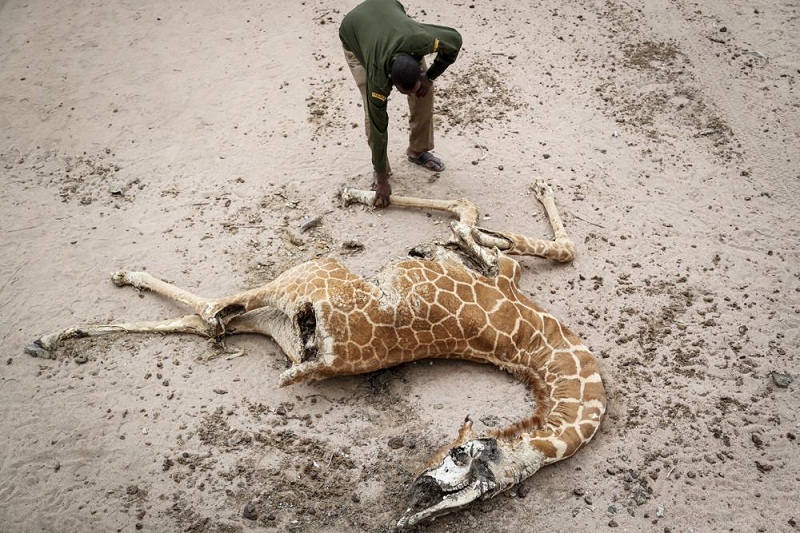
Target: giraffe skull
(462, 476)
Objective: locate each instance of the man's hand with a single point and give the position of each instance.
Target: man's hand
(424, 85)
(382, 189)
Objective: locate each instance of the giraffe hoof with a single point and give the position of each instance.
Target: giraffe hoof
(120, 278)
(344, 195)
(541, 189)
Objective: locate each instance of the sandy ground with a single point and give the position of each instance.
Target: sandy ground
(193, 140)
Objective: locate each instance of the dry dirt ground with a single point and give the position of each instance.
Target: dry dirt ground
(194, 139)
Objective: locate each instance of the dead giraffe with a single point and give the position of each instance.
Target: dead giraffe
(455, 301)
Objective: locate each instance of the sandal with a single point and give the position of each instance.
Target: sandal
(429, 161)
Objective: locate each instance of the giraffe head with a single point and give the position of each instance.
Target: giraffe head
(462, 474)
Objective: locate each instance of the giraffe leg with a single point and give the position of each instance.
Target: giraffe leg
(266, 320)
(210, 320)
(473, 240)
(561, 248)
(45, 346)
(216, 311)
(544, 193)
(145, 281)
(485, 256)
(466, 211)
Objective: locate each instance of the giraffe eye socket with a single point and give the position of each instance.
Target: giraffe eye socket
(460, 457)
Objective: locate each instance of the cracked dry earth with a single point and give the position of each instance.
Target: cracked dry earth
(205, 143)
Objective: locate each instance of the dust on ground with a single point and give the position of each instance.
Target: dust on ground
(206, 145)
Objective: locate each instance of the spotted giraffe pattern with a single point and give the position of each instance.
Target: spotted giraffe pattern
(415, 309)
(427, 309)
(560, 249)
(330, 321)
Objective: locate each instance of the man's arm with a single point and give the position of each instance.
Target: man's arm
(378, 141)
(378, 124)
(446, 45)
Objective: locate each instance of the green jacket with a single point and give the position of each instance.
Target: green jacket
(376, 31)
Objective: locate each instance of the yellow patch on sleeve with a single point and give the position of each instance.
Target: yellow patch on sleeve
(435, 44)
(378, 96)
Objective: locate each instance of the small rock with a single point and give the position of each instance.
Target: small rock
(249, 511)
(395, 443)
(295, 239)
(353, 245)
(613, 523)
(131, 490)
(660, 511)
(764, 467)
(781, 380)
(640, 496)
(310, 222)
(220, 391)
(522, 490)
(81, 358)
(578, 492)
(116, 190)
(490, 421)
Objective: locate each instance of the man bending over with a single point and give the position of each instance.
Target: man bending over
(384, 48)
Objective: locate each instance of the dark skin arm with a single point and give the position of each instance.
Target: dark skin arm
(382, 189)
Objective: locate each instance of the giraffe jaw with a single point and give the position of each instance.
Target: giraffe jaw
(461, 477)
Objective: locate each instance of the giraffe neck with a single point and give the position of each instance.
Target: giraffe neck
(565, 381)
